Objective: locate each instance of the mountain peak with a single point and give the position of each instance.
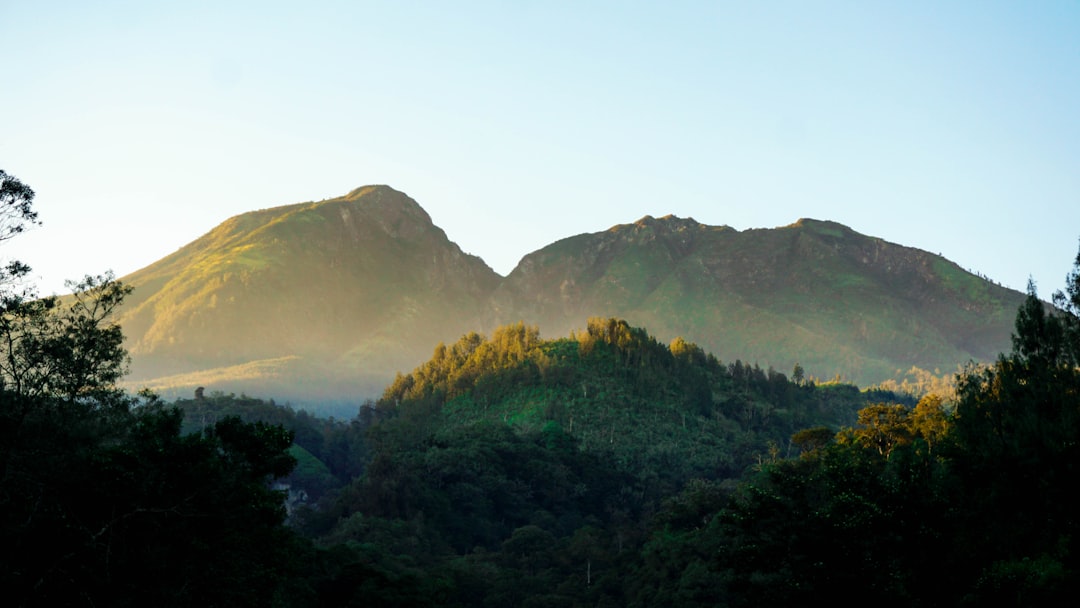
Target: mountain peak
(666, 224)
(826, 227)
(387, 206)
(669, 221)
(356, 193)
(392, 211)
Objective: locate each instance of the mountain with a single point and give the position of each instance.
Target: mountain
(318, 299)
(815, 293)
(329, 300)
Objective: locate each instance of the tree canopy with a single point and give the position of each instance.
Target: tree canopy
(103, 499)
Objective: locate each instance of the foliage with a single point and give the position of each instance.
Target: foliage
(330, 452)
(64, 349)
(103, 501)
(602, 469)
(16, 214)
(924, 506)
(615, 389)
(920, 382)
(128, 511)
(527, 470)
(1016, 436)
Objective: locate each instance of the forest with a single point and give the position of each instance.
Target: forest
(599, 469)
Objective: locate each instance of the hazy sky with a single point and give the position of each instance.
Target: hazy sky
(949, 126)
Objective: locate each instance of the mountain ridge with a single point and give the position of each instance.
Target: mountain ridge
(278, 263)
(748, 269)
(365, 285)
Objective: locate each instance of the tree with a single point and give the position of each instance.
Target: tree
(1068, 305)
(884, 427)
(929, 421)
(798, 374)
(103, 500)
(66, 348)
(16, 214)
(1039, 339)
(1015, 445)
(810, 441)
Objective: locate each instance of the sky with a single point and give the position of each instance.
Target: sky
(953, 127)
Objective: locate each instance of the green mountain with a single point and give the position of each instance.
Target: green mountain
(329, 300)
(815, 293)
(317, 300)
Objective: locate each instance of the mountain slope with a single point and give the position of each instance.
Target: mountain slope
(356, 286)
(329, 300)
(814, 292)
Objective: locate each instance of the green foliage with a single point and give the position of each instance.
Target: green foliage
(64, 349)
(1015, 438)
(1068, 305)
(527, 470)
(117, 506)
(884, 427)
(103, 501)
(667, 413)
(922, 506)
(330, 452)
(123, 509)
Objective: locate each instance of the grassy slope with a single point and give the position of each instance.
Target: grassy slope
(317, 282)
(816, 293)
(343, 293)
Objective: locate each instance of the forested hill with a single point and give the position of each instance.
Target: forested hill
(607, 469)
(328, 300)
(514, 469)
(614, 389)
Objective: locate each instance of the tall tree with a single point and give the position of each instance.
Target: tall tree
(1016, 449)
(1068, 303)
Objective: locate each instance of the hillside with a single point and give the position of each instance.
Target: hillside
(317, 298)
(328, 300)
(514, 467)
(815, 293)
(609, 469)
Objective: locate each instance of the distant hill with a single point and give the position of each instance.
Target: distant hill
(322, 300)
(329, 300)
(815, 293)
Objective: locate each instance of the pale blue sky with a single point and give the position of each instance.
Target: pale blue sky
(949, 126)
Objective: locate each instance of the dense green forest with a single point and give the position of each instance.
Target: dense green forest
(599, 469)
